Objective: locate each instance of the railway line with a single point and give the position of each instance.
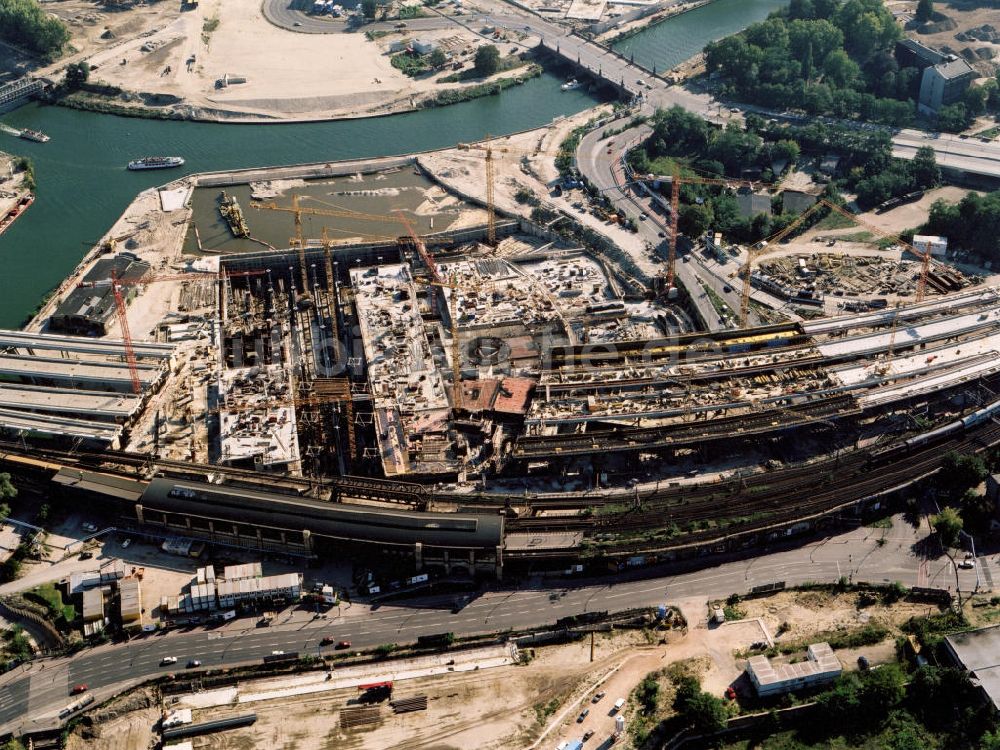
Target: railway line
(538, 446)
(765, 513)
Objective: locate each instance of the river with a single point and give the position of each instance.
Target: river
(83, 186)
(677, 39)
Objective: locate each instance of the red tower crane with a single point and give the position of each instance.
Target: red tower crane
(120, 307)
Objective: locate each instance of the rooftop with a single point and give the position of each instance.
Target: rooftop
(979, 652)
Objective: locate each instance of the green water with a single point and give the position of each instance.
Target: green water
(675, 40)
(83, 186)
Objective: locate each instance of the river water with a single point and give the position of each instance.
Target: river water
(83, 186)
(679, 38)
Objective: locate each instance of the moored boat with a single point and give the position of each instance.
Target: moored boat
(22, 205)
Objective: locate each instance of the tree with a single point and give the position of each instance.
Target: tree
(960, 473)
(437, 58)
(369, 8)
(925, 11)
(23, 22)
(953, 118)
(924, 169)
(947, 524)
(77, 75)
(487, 60)
(706, 713)
(974, 99)
(787, 150)
(694, 219)
(840, 70)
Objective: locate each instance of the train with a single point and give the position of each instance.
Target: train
(954, 427)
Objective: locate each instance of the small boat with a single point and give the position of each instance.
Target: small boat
(34, 135)
(22, 205)
(570, 85)
(155, 162)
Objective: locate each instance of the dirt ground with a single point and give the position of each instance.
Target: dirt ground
(156, 49)
(965, 18)
(912, 215)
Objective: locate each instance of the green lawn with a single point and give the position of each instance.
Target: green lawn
(50, 596)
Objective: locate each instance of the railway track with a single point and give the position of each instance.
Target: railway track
(786, 502)
(538, 446)
(340, 486)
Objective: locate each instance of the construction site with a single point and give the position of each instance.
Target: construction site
(488, 394)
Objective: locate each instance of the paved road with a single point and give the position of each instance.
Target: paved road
(594, 161)
(33, 698)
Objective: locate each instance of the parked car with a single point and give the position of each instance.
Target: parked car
(863, 662)
(588, 734)
(967, 564)
(730, 693)
(597, 698)
(126, 543)
(582, 716)
(86, 555)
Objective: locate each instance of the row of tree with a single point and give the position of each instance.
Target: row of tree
(24, 23)
(827, 57)
(973, 223)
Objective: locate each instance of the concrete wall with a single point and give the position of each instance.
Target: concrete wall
(600, 27)
(299, 171)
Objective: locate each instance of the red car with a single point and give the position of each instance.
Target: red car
(77, 689)
(730, 693)
(326, 641)
(344, 644)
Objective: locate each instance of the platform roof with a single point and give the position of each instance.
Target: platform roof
(56, 426)
(335, 520)
(82, 344)
(95, 405)
(75, 370)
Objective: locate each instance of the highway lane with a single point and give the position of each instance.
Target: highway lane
(594, 162)
(34, 697)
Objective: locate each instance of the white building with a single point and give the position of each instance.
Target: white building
(937, 246)
(821, 666)
(424, 46)
(285, 586)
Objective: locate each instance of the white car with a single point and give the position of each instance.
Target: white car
(168, 660)
(126, 543)
(89, 527)
(967, 564)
